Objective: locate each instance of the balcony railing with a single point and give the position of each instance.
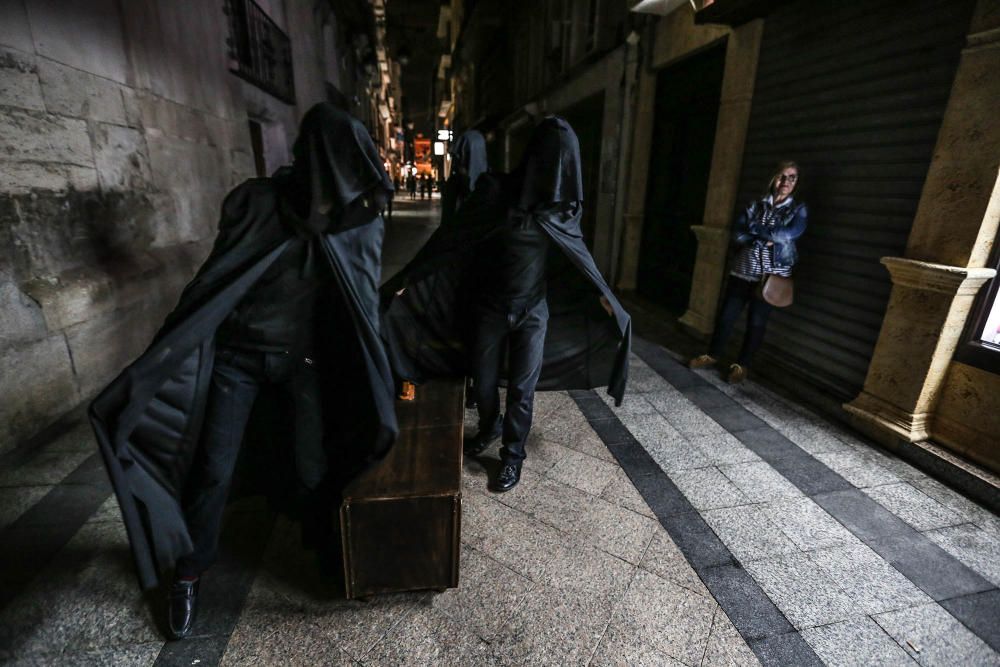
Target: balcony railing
(259, 51)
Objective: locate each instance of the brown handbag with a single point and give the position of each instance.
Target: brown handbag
(776, 290)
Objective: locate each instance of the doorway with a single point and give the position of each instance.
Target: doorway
(686, 110)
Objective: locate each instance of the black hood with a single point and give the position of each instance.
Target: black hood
(550, 168)
(469, 155)
(335, 163)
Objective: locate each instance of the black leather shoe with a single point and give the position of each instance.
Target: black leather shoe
(183, 603)
(508, 478)
(478, 443)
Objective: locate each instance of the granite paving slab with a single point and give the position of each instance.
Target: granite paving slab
(616, 650)
(932, 636)
(616, 530)
(858, 642)
(802, 591)
(759, 482)
(707, 488)
(84, 600)
(427, 636)
(15, 500)
(722, 448)
(547, 500)
(622, 492)
(587, 473)
(725, 647)
(807, 524)
(973, 546)
(914, 507)
(748, 533)
(672, 619)
(666, 561)
(873, 584)
(45, 469)
(972, 512)
(979, 612)
(487, 594)
(931, 568)
(551, 627)
(135, 655)
(520, 541)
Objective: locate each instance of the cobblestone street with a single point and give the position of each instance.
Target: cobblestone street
(697, 524)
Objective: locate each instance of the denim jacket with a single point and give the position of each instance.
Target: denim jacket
(790, 223)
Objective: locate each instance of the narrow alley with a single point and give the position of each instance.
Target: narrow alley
(471, 333)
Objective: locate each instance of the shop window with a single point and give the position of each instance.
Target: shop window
(982, 334)
(259, 51)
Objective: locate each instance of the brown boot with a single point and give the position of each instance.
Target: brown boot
(702, 361)
(737, 374)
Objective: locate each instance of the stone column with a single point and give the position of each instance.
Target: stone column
(922, 327)
(723, 182)
(955, 226)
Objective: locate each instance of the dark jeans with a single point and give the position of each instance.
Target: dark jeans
(522, 335)
(739, 294)
(237, 377)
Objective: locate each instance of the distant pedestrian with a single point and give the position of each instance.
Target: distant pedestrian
(411, 186)
(764, 235)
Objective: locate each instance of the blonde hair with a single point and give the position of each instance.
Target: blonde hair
(782, 166)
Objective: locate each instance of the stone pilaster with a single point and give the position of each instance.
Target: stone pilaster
(926, 314)
(713, 242)
(955, 226)
(738, 80)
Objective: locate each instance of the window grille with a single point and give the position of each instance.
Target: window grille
(259, 51)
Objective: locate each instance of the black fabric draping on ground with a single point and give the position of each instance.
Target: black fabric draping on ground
(148, 420)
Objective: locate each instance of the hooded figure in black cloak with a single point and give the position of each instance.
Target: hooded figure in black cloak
(286, 303)
(468, 156)
(511, 278)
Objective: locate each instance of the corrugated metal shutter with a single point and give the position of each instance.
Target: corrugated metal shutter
(854, 91)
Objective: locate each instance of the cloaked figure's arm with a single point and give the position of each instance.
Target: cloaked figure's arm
(480, 215)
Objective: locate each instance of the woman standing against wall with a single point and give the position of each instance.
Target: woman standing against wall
(764, 235)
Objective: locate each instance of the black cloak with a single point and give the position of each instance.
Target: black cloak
(428, 329)
(469, 163)
(148, 420)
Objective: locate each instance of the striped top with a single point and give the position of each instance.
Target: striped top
(757, 258)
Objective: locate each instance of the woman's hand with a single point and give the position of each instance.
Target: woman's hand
(607, 305)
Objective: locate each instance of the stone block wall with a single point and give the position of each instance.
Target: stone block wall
(121, 130)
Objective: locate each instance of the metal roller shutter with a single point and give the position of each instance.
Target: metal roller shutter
(854, 91)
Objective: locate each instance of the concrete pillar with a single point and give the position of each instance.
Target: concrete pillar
(956, 223)
(738, 79)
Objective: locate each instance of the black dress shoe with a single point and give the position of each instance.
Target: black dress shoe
(508, 478)
(478, 443)
(183, 603)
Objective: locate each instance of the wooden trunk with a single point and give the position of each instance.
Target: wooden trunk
(401, 519)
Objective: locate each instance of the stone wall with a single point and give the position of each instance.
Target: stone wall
(121, 130)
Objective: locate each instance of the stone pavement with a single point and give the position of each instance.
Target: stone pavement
(697, 524)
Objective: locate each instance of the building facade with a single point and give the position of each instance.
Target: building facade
(122, 127)
(881, 105)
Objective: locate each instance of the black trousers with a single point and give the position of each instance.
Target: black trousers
(741, 294)
(522, 336)
(237, 377)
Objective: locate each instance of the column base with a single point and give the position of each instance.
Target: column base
(887, 423)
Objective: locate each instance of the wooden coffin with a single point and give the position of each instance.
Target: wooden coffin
(401, 519)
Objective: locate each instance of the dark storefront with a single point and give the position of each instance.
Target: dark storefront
(854, 92)
(686, 112)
